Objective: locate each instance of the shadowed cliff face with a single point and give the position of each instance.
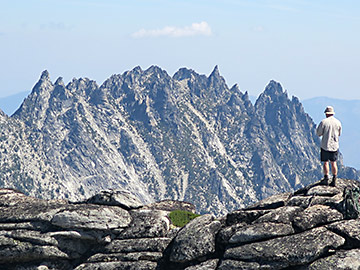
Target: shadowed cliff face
(114, 230)
(187, 137)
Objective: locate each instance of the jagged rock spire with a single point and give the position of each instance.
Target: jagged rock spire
(45, 76)
(215, 72)
(59, 82)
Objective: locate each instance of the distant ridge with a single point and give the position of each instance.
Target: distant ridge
(10, 104)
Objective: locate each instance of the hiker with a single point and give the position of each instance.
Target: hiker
(330, 129)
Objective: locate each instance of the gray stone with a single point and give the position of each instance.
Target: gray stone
(301, 201)
(342, 260)
(226, 233)
(139, 265)
(120, 198)
(195, 240)
(244, 216)
(146, 223)
(34, 237)
(283, 214)
(92, 217)
(288, 251)
(15, 251)
(350, 229)
(333, 201)
(260, 231)
(31, 225)
(207, 265)
(322, 190)
(77, 235)
(45, 265)
(316, 215)
(238, 265)
(271, 202)
(131, 256)
(21, 208)
(137, 245)
(170, 205)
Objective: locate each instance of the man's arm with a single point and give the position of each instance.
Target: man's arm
(340, 130)
(320, 130)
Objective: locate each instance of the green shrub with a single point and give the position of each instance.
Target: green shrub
(180, 218)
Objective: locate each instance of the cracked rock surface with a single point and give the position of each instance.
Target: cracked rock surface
(302, 231)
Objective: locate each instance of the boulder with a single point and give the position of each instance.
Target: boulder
(284, 214)
(137, 245)
(120, 198)
(350, 229)
(304, 248)
(139, 265)
(195, 240)
(244, 216)
(342, 260)
(316, 215)
(207, 265)
(131, 256)
(238, 265)
(92, 217)
(260, 231)
(322, 190)
(271, 202)
(145, 224)
(15, 251)
(226, 233)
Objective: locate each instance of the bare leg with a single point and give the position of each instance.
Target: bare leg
(334, 171)
(334, 168)
(326, 168)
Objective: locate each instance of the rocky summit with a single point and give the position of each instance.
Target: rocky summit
(185, 137)
(304, 230)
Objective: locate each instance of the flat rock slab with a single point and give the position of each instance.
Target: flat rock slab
(20, 251)
(132, 256)
(169, 205)
(195, 240)
(322, 190)
(92, 217)
(145, 224)
(121, 198)
(244, 216)
(238, 265)
(32, 210)
(316, 215)
(137, 245)
(271, 202)
(350, 229)
(304, 248)
(140, 265)
(260, 231)
(342, 260)
(226, 233)
(207, 265)
(283, 214)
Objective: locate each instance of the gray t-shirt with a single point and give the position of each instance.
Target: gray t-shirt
(330, 130)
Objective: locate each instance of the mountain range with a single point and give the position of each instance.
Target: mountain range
(183, 137)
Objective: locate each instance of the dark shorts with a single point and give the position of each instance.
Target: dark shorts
(328, 155)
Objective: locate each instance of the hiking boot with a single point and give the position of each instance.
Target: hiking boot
(333, 182)
(325, 181)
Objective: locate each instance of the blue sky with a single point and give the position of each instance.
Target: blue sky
(311, 47)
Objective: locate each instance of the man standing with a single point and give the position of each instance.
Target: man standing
(330, 130)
